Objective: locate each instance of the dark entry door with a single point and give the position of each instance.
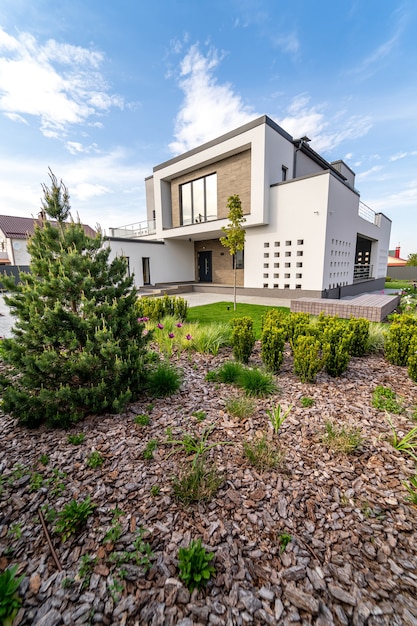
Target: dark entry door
(146, 270)
(204, 267)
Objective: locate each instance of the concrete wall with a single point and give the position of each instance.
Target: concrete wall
(169, 261)
(407, 272)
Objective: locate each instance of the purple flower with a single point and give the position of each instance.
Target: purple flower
(143, 319)
(188, 337)
(145, 331)
(171, 335)
(160, 326)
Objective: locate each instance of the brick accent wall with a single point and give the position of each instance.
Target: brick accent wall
(222, 262)
(233, 177)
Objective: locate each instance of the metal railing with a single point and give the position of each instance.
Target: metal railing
(134, 231)
(366, 213)
(362, 272)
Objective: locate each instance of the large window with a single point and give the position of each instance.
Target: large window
(198, 200)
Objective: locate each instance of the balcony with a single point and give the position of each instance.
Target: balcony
(367, 213)
(134, 231)
(362, 272)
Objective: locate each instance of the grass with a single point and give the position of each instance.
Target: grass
(342, 439)
(257, 383)
(263, 454)
(240, 406)
(385, 399)
(197, 482)
(223, 312)
(398, 284)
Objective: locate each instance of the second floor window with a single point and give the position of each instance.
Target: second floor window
(198, 200)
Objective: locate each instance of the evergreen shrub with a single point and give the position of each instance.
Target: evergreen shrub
(272, 347)
(156, 308)
(297, 324)
(336, 344)
(77, 346)
(359, 327)
(308, 360)
(243, 338)
(398, 339)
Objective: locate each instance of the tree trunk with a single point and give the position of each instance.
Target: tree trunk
(234, 287)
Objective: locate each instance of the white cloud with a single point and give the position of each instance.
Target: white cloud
(209, 109)
(85, 191)
(402, 155)
(16, 118)
(57, 83)
(325, 131)
(289, 43)
(371, 172)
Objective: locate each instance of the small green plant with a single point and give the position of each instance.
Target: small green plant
(95, 460)
(277, 417)
(263, 454)
(142, 553)
(116, 588)
(196, 444)
(306, 402)
(10, 601)
(208, 339)
(114, 533)
(15, 531)
(73, 517)
(57, 486)
(308, 358)
(199, 415)
(211, 376)
(150, 408)
(150, 448)
(194, 563)
(155, 490)
(197, 482)
(385, 399)
(67, 583)
(376, 337)
(77, 439)
(243, 338)
(411, 487)
(87, 564)
(18, 472)
(341, 438)
(284, 539)
(240, 406)
(164, 380)
(142, 419)
(44, 459)
(257, 383)
(36, 481)
(407, 444)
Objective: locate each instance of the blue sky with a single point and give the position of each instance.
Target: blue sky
(101, 91)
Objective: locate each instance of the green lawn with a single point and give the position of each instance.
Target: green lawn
(223, 312)
(399, 284)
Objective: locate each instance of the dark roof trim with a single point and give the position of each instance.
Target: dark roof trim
(126, 239)
(315, 156)
(264, 119)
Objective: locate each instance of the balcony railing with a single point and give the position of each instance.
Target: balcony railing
(362, 272)
(134, 231)
(367, 213)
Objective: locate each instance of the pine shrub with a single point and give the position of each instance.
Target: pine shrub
(308, 360)
(243, 338)
(77, 347)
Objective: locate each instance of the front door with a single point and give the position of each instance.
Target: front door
(204, 267)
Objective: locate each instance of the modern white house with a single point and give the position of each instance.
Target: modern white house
(307, 231)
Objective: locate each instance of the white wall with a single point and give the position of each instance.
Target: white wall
(172, 261)
(298, 211)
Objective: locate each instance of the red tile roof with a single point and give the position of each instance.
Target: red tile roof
(22, 227)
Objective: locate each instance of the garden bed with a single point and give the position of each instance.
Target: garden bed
(352, 537)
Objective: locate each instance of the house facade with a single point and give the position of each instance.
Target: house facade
(307, 231)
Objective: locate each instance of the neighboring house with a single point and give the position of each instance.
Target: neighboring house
(394, 258)
(307, 232)
(14, 233)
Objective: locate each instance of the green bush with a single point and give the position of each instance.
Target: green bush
(163, 380)
(412, 359)
(195, 565)
(398, 339)
(272, 347)
(156, 308)
(308, 360)
(273, 319)
(359, 327)
(336, 343)
(297, 324)
(229, 372)
(77, 347)
(256, 383)
(243, 338)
